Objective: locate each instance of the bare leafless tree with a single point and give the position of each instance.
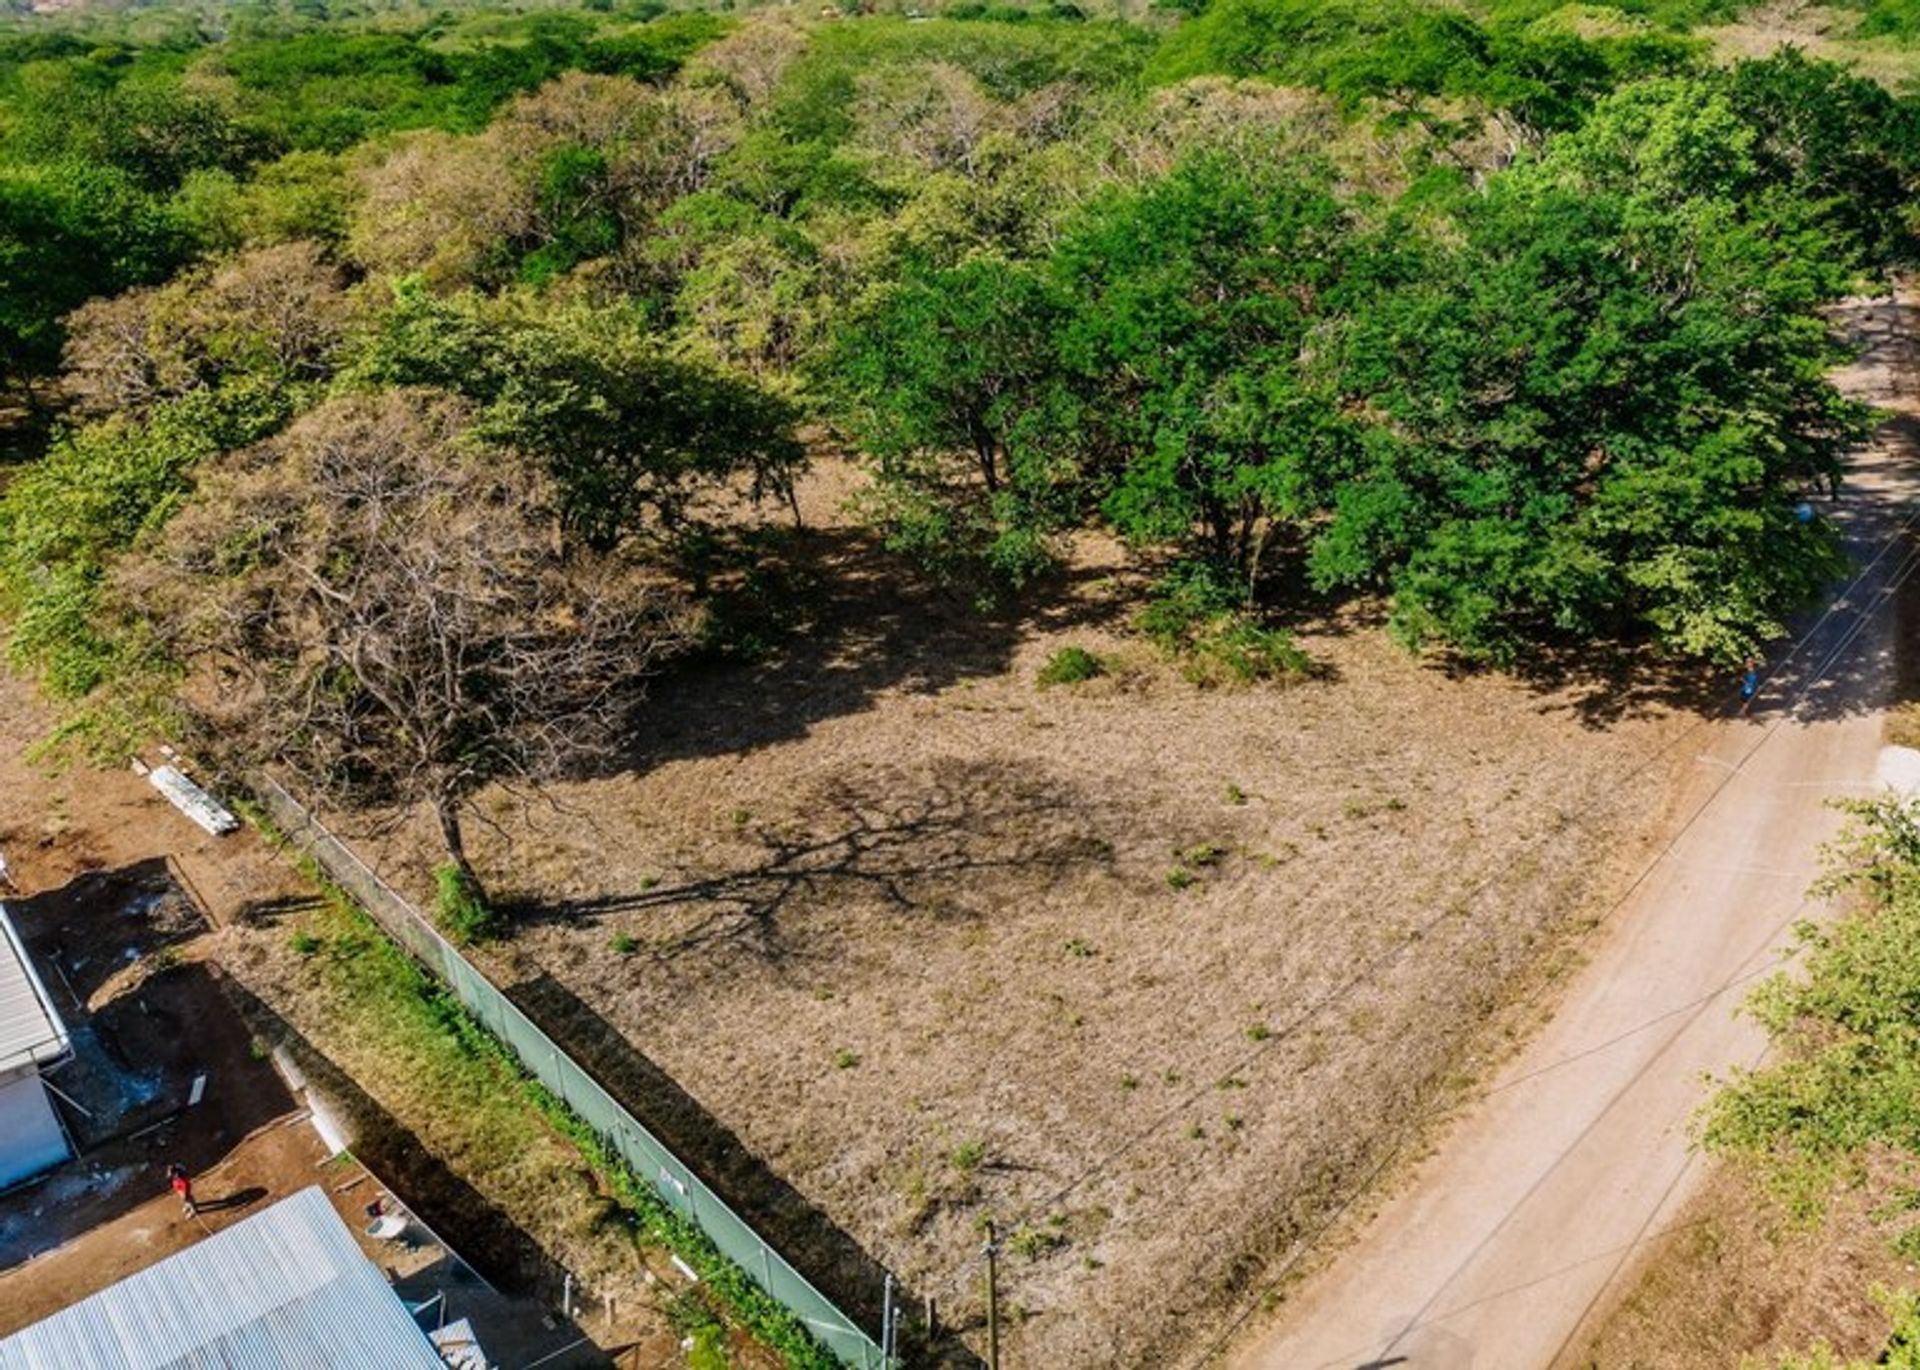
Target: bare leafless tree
(386, 608)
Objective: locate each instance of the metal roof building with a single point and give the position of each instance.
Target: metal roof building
(31, 1036)
(30, 1029)
(286, 1289)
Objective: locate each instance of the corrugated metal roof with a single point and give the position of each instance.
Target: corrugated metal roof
(287, 1289)
(30, 1028)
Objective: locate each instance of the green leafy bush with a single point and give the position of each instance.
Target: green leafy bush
(461, 909)
(1071, 666)
(1840, 1086)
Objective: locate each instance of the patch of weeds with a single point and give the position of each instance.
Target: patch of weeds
(1196, 1133)
(624, 943)
(1230, 1082)
(823, 995)
(1070, 666)
(688, 1314)
(1037, 1243)
(1189, 860)
(1080, 947)
(1235, 795)
(740, 818)
(304, 943)
(845, 1059)
(462, 910)
(1258, 1032)
(1170, 1076)
(968, 1156)
(1234, 1122)
(647, 882)
(1203, 854)
(1129, 1083)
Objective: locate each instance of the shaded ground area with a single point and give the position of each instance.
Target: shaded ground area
(1141, 970)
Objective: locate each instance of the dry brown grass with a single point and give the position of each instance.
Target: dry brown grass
(1821, 31)
(1734, 1277)
(1176, 964)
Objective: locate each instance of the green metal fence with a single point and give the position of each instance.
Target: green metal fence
(547, 1062)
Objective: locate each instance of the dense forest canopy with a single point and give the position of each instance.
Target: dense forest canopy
(1509, 317)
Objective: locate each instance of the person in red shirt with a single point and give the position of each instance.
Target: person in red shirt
(177, 1177)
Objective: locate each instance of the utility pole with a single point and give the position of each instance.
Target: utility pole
(993, 1298)
(886, 1324)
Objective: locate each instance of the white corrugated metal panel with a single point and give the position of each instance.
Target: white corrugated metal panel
(286, 1289)
(30, 1137)
(30, 1028)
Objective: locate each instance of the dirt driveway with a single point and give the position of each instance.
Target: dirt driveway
(1518, 1230)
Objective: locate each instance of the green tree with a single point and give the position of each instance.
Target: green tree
(633, 438)
(1194, 306)
(949, 381)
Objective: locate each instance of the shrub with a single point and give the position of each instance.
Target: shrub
(1070, 666)
(625, 943)
(304, 943)
(463, 911)
(1194, 615)
(968, 1156)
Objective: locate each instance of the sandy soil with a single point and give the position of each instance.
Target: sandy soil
(1149, 974)
(1533, 1214)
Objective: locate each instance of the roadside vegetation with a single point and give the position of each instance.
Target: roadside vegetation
(1810, 1224)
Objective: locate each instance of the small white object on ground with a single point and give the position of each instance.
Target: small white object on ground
(686, 1270)
(198, 1092)
(1898, 768)
(193, 801)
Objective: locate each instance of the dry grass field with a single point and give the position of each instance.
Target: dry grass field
(894, 940)
(1821, 31)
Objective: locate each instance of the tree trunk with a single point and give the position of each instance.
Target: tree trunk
(986, 450)
(447, 810)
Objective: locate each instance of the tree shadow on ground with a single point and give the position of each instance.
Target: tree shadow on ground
(862, 621)
(908, 850)
(830, 1258)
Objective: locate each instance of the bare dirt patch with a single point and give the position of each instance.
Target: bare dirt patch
(891, 940)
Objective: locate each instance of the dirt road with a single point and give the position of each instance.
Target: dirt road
(1498, 1251)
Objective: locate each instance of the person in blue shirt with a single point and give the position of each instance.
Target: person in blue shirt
(1749, 683)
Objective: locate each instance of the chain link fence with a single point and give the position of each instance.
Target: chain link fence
(543, 1058)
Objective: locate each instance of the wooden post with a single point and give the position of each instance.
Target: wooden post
(993, 1299)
